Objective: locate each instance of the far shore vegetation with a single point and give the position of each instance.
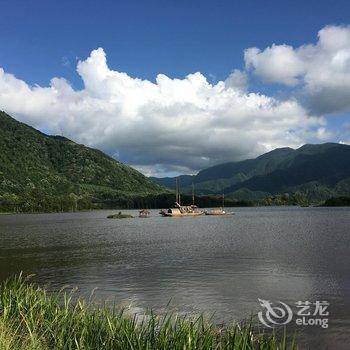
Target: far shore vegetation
(72, 203)
(69, 203)
(337, 202)
(32, 318)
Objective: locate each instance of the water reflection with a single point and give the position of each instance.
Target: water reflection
(208, 264)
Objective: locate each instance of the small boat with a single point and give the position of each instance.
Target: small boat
(181, 210)
(215, 211)
(144, 213)
(219, 211)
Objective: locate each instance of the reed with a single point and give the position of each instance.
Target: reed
(33, 318)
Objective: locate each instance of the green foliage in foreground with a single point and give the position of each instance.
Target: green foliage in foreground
(32, 318)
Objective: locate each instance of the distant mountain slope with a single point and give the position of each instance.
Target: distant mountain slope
(36, 169)
(258, 166)
(184, 180)
(318, 171)
(230, 173)
(327, 164)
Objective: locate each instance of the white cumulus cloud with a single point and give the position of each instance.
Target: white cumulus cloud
(164, 126)
(321, 70)
(278, 64)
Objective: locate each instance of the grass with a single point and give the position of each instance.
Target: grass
(32, 318)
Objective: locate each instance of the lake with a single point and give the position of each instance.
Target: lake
(215, 265)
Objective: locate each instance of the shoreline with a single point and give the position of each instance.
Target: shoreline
(119, 209)
(50, 320)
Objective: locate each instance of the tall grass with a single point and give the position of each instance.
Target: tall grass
(32, 318)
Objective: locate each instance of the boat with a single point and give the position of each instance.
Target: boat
(215, 211)
(218, 211)
(144, 213)
(182, 210)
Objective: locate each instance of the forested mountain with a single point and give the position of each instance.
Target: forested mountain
(316, 172)
(52, 173)
(44, 173)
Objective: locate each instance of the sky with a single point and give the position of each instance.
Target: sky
(172, 87)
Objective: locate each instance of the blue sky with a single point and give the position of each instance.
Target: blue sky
(45, 39)
(144, 38)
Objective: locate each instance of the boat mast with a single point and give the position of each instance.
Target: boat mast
(178, 185)
(192, 193)
(223, 200)
(176, 191)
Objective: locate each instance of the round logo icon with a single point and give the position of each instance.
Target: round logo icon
(274, 315)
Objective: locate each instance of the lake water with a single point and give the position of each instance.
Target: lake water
(215, 265)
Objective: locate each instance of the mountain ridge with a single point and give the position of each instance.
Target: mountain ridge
(44, 172)
(280, 170)
(40, 172)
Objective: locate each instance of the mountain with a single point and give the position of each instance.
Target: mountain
(43, 173)
(315, 171)
(213, 179)
(39, 172)
(169, 182)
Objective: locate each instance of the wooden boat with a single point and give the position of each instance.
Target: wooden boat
(215, 211)
(181, 210)
(219, 211)
(144, 213)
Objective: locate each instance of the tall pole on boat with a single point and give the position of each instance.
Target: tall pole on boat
(176, 191)
(178, 184)
(223, 200)
(192, 193)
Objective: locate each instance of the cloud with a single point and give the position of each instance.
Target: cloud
(169, 125)
(323, 134)
(237, 80)
(276, 64)
(321, 71)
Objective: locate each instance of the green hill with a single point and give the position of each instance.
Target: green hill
(51, 173)
(315, 172)
(47, 173)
